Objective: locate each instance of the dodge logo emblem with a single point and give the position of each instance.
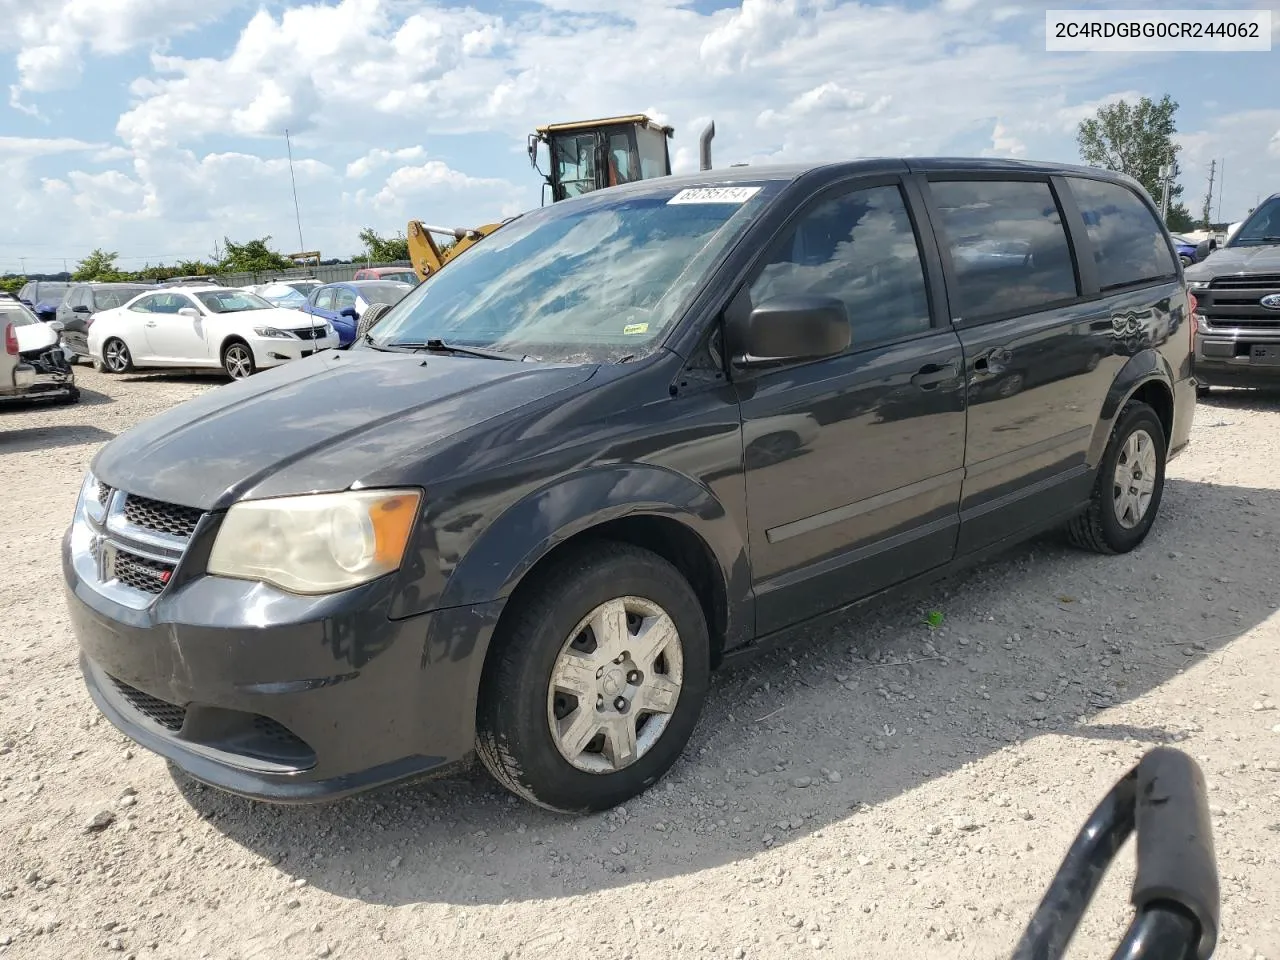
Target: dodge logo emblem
(1271, 301)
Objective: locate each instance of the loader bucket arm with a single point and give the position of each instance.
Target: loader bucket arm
(426, 254)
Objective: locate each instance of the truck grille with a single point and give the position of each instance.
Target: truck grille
(1235, 303)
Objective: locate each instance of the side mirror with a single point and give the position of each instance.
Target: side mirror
(1203, 249)
(797, 327)
(56, 326)
(349, 312)
(191, 312)
(80, 308)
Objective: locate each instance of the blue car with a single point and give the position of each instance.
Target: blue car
(1186, 249)
(342, 304)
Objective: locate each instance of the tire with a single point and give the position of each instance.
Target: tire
(237, 360)
(1112, 526)
(519, 702)
(372, 315)
(116, 357)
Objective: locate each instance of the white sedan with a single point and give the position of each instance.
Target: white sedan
(201, 326)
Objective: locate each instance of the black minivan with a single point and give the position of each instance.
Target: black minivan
(623, 437)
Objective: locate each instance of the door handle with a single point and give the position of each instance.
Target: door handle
(933, 374)
(151, 323)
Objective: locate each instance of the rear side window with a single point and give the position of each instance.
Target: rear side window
(1008, 246)
(858, 247)
(1128, 241)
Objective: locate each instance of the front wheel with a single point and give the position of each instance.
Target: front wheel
(1130, 484)
(596, 680)
(237, 360)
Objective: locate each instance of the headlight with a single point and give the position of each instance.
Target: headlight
(1198, 284)
(318, 543)
(272, 333)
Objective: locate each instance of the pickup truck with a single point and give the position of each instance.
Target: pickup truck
(1237, 291)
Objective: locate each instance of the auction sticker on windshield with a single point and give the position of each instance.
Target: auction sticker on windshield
(714, 195)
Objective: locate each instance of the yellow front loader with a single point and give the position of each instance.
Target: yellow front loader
(584, 156)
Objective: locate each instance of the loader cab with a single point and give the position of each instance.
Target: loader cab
(592, 154)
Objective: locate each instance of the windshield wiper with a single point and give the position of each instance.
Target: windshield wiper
(1259, 240)
(435, 345)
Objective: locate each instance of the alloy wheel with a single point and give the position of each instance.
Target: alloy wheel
(238, 361)
(116, 357)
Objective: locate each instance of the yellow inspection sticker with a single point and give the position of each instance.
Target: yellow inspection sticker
(634, 328)
(714, 195)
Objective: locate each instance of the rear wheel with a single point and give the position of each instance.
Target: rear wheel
(116, 357)
(596, 680)
(1130, 485)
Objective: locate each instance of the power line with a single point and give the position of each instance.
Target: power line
(296, 211)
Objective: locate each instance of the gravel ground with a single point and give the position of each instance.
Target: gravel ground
(877, 788)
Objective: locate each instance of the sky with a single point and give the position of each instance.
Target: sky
(155, 128)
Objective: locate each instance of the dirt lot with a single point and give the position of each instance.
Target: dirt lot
(834, 800)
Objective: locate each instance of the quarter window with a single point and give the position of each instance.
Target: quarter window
(860, 248)
(1009, 249)
(1128, 241)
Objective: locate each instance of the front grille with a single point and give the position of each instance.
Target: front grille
(276, 733)
(168, 715)
(1252, 282)
(1236, 303)
(141, 573)
(104, 494)
(310, 333)
(170, 518)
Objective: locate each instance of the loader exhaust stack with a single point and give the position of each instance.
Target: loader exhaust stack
(704, 146)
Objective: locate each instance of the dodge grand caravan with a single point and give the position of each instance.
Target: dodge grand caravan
(626, 436)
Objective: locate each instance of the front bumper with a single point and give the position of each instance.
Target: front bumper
(1237, 358)
(274, 696)
(274, 351)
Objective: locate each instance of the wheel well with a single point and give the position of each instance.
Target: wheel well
(672, 541)
(1157, 396)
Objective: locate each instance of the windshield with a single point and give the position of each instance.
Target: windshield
(1263, 225)
(51, 291)
(383, 292)
(283, 294)
(594, 280)
(303, 286)
(403, 276)
(115, 297)
(232, 301)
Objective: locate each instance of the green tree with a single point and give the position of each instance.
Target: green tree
(12, 284)
(1137, 139)
(253, 256)
(98, 265)
(383, 249)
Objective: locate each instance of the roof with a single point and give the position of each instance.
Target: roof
(639, 118)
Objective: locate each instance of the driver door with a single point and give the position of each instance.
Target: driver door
(174, 338)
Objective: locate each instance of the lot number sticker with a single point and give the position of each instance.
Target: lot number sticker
(715, 195)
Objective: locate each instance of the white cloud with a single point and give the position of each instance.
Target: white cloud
(1004, 143)
(378, 157)
(51, 36)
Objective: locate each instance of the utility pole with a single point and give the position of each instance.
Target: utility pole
(1166, 173)
(1208, 197)
(1221, 183)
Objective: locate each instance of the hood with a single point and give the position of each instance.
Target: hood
(1228, 260)
(284, 317)
(35, 336)
(319, 424)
